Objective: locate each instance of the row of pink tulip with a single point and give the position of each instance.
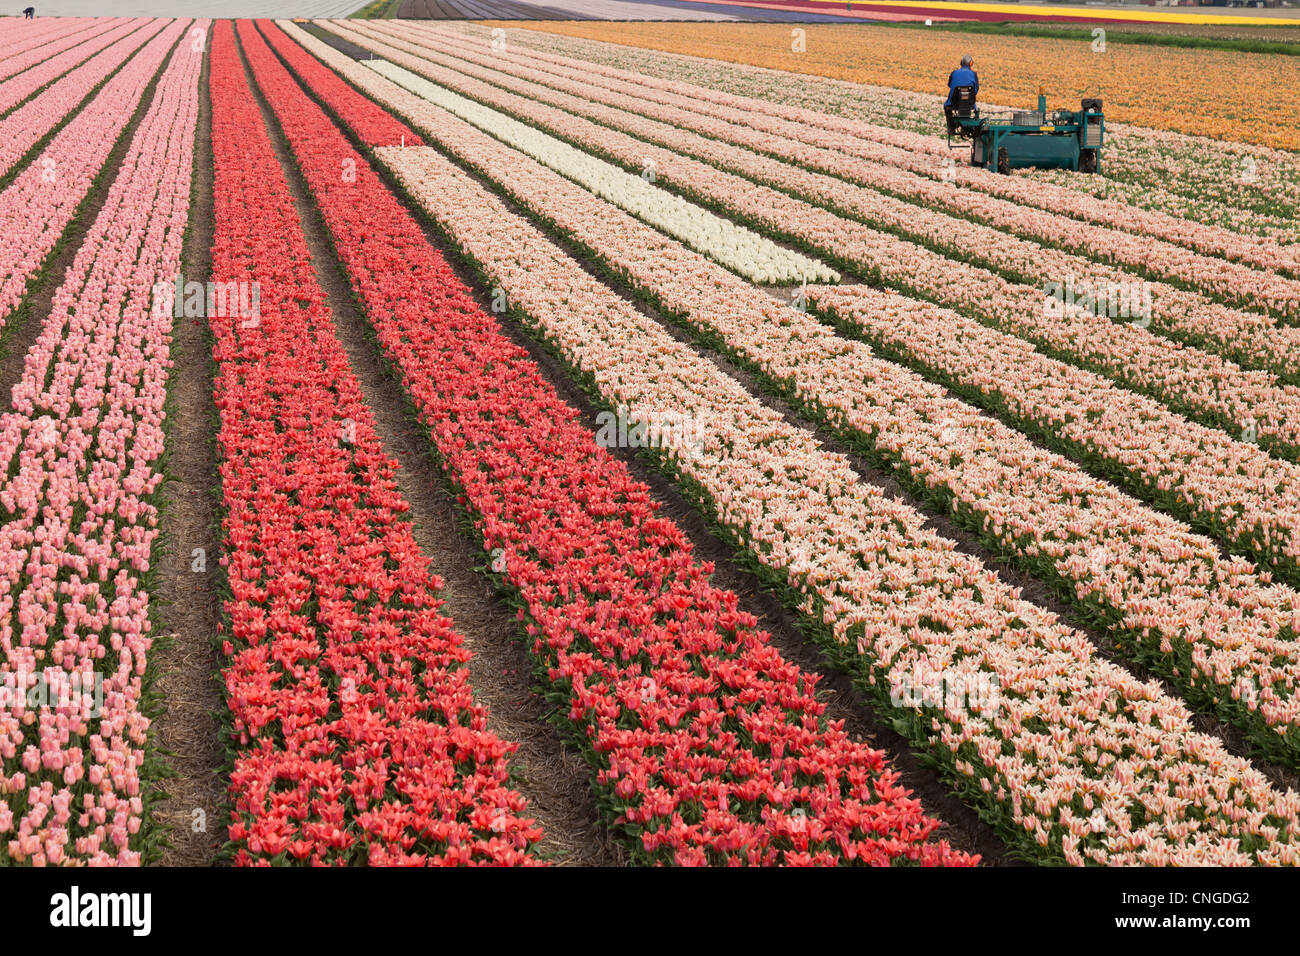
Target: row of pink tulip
(17, 37)
(25, 126)
(1082, 761)
(1234, 186)
(39, 204)
(1111, 231)
(1246, 336)
(80, 451)
(1202, 386)
(17, 88)
(1154, 581)
(24, 52)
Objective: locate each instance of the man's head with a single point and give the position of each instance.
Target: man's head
(967, 62)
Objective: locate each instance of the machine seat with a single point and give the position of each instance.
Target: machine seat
(963, 101)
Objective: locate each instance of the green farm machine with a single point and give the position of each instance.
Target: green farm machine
(1015, 139)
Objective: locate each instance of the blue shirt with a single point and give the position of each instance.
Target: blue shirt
(962, 76)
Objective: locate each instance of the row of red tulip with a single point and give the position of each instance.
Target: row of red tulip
(354, 731)
(848, 157)
(369, 122)
(80, 452)
(24, 49)
(1140, 573)
(1204, 386)
(39, 204)
(706, 745)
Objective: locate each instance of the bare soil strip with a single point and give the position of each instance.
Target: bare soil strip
(188, 731)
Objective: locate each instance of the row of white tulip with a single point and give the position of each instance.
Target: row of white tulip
(741, 249)
(1155, 581)
(1233, 185)
(1251, 337)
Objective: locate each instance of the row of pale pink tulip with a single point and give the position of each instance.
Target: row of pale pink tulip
(1243, 176)
(81, 449)
(39, 204)
(1114, 232)
(18, 88)
(16, 38)
(1155, 583)
(24, 52)
(1080, 760)
(31, 121)
(1222, 184)
(1268, 221)
(1246, 336)
(1205, 387)
(1247, 498)
(39, 77)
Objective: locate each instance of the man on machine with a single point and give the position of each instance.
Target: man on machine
(964, 75)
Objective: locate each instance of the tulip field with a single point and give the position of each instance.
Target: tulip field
(428, 442)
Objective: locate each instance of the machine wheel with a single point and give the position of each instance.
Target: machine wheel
(1004, 164)
(1087, 161)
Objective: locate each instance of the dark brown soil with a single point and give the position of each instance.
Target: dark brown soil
(188, 731)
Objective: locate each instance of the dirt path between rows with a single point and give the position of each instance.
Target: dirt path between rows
(188, 731)
(552, 777)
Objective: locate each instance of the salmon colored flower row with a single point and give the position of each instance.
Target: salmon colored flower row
(355, 734)
(370, 122)
(706, 746)
(1210, 624)
(1256, 340)
(18, 38)
(39, 204)
(81, 457)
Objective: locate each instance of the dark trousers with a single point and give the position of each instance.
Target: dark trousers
(952, 120)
